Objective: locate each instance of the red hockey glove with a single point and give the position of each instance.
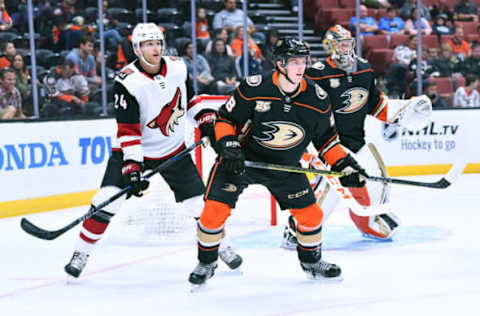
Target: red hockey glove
(132, 176)
(231, 152)
(354, 174)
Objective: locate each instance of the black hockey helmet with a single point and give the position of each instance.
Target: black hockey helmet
(290, 47)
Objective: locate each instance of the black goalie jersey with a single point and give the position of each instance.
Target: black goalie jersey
(277, 127)
(353, 97)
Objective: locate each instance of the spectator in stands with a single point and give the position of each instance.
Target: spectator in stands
(472, 63)
(205, 79)
(125, 53)
(447, 64)
(223, 35)
(431, 91)
(467, 96)
(376, 3)
(396, 76)
(231, 17)
(84, 61)
(442, 8)
(411, 25)
(391, 24)
(23, 83)
(440, 26)
(66, 32)
(8, 52)
(406, 11)
(368, 25)
(237, 45)
(254, 66)
(68, 91)
(111, 35)
(203, 34)
(223, 68)
(5, 19)
(466, 10)
(272, 38)
(10, 98)
(459, 46)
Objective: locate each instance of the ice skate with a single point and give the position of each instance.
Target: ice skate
(201, 273)
(321, 270)
(289, 240)
(231, 259)
(75, 267)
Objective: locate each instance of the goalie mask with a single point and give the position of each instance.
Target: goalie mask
(289, 47)
(340, 44)
(146, 32)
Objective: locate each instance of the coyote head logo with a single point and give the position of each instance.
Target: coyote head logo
(169, 115)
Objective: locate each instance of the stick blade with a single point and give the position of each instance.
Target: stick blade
(455, 171)
(34, 230)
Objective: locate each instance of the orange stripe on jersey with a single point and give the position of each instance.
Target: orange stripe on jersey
(381, 102)
(313, 108)
(330, 62)
(255, 98)
(210, 180)
(362, 71)
(334, 154)
(328, 142)
(223, 129)
(382, 116)
(324, 77)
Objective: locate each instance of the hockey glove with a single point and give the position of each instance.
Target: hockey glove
(231, 154)
(354, 174)
(206, 124)
(132, 175)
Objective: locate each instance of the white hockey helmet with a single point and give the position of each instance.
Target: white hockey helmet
(146, 32)
(340, 44)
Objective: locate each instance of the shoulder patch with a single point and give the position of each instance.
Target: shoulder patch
(318, 65)
(254, 81)
(322, 94)
(124, 73)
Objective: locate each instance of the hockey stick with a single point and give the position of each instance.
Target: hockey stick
(443, 183)
(41, 233)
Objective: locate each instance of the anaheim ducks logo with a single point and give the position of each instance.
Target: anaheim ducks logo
(169, 115)
(356, 98)
(281, 135)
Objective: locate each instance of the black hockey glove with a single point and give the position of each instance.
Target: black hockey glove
(132, 175)
(232, 156)
(353, 172)
(206, 124)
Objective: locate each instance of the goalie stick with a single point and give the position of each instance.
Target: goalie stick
(41, 233)
(442, 183)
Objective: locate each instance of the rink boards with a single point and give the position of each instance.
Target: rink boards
(59, 164)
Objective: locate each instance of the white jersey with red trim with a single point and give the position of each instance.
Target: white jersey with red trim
(152, 110)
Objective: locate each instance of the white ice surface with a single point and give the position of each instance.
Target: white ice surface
(430, 268)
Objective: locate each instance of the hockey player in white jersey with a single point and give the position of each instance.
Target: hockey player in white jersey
(153, 97)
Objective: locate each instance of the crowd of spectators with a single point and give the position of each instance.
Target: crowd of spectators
(68, 51)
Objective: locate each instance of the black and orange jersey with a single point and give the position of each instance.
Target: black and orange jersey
(353, 96)
(279, 126)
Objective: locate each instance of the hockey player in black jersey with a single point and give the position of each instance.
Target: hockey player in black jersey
(153, 97)
(350, 84)
(279, 114)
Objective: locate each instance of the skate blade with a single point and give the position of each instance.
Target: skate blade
(288, 246)
(196, 288)
(323, 279)
(71, 280)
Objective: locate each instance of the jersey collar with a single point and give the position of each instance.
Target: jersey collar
(162, 71)
(303, 84)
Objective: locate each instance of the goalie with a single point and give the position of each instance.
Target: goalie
(350, 83)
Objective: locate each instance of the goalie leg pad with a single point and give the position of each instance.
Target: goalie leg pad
(381, 226)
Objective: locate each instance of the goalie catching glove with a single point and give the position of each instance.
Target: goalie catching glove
(132, 175)
(413, 114)
(231, 154)
(354, 174)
